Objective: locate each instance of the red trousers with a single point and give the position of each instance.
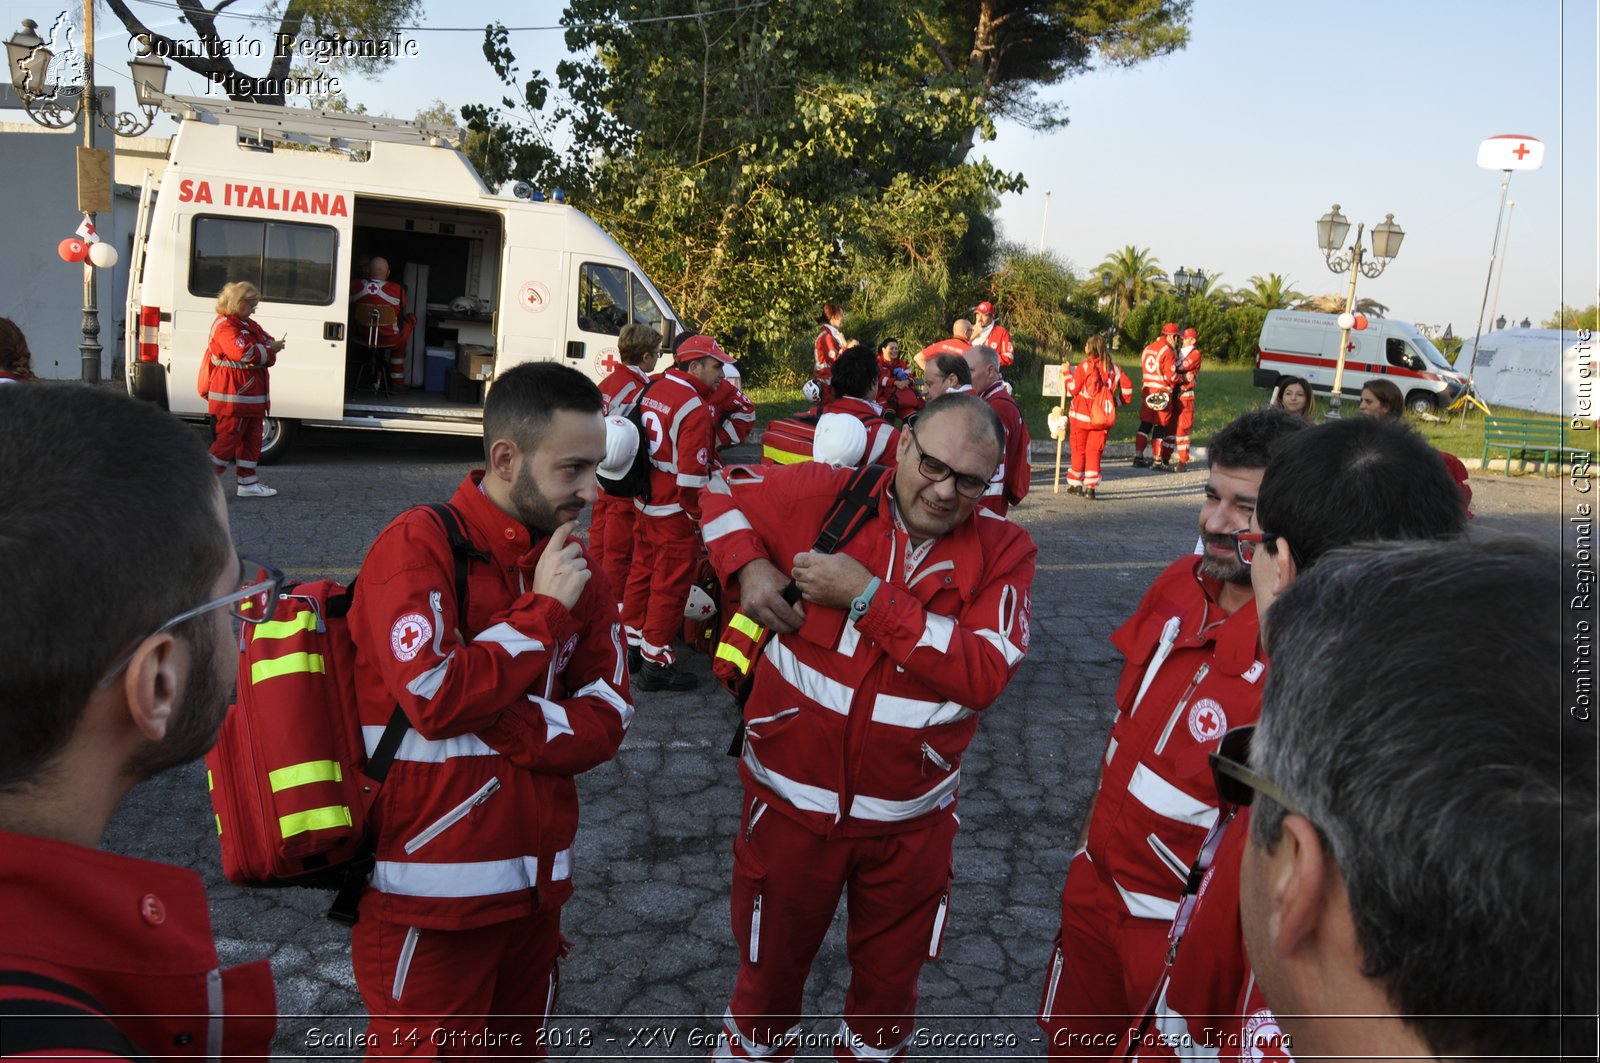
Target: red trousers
(1087, 446)
(611, 534)
(458, 994)
(1185, 425)
(1103, 969)
(787, 882)
(238, 441)
(665, 557)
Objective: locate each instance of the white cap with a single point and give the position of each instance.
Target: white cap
(840, 440)
(622, 444)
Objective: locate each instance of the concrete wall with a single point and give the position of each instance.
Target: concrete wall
(40, 292)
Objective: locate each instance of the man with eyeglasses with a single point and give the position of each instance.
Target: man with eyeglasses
(119, 576)
(862, 705)
(1191, 671)
(1340, 483)
(1011, 479)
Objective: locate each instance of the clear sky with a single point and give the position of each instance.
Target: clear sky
(1224, 155)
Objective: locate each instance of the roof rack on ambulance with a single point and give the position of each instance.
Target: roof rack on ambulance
(297, 125)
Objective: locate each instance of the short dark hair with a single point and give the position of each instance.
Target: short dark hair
(1387, 392)
(855, 373)
(1356, 480)
(110, 528)
(14, 353)
(954, 363)
(525, 398)
(965, 402)
(1248, 441)
(1450, 783)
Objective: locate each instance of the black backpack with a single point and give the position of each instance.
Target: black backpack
(635, 483)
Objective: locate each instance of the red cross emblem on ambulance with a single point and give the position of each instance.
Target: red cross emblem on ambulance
(1207, 721)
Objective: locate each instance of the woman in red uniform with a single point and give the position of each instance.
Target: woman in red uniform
(1382, 399)
(237, 357)
(830, 343)
(1096, 387)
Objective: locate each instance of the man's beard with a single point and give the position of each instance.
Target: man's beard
(1228, 570)
(535, 509)
(194, 726)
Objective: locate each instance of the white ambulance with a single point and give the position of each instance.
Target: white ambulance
(1302, 344)
(295, 200)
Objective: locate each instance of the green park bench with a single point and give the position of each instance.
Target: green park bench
(1523, 437)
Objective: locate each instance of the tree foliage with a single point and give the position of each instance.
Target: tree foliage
(1272, 292)
(214, 49)
(1226, 333)
(1570, 317)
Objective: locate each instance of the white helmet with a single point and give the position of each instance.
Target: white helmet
(464, 304)
(622, 445)
(840, 440)
(730, 372)
(811, 390)
(699, 606)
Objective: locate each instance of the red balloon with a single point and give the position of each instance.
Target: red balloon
(1361, 322)
(72, 249)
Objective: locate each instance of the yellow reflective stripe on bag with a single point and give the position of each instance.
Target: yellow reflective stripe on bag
(282, 629)
(291, 664)
(302, 774)
(739, 660)
(745, 626)
(314, 819)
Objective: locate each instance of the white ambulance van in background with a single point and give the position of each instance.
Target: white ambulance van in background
(1303, 344)
(295, 200)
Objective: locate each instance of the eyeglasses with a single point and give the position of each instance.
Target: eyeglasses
(1244, 544)
(1236, 783)
(254, 602)
(967, 485)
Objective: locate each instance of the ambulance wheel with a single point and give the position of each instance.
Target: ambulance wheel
(276, 435)
(1421, 402)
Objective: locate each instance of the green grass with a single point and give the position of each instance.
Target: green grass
(1222, 392)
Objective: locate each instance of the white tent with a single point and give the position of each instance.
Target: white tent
(1533, 369)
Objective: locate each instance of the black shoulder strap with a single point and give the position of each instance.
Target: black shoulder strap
(857, 501)
(65, 1030)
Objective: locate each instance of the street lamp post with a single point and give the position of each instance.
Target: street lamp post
(29, 61)
(1188, 282)
(1332, 228)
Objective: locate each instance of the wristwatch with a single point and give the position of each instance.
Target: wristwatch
(860, 603)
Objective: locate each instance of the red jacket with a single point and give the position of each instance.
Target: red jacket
(678, 422)
(995, 335)
(368, 295)
(733, 414)
(1085, 384)
(240, 352)
(480, 809)
(621, 389)
(1013, 477)
(1159, 366)
(896, 394)
(789, 440)
(829, 345)
(1200, 676)
(1185, 367)
(858, 729)
(136, 936)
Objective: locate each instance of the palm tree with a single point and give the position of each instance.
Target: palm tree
(1130, 276)
(1272, 292)
(1333, 303)
(1210, 289)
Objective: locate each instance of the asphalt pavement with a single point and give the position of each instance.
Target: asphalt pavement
(655, 957)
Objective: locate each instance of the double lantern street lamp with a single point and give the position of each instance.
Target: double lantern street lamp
(1188, 282)
(58, 107)
(1332, 228)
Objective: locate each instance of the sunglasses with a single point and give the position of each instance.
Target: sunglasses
(1245, 542)
(1236, 783)
(967, 485)
(252, 602)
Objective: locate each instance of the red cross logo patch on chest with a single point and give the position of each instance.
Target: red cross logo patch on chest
(1207, 721)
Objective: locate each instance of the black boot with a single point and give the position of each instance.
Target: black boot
(1140, 461)
(664, 677)
(1183, 466)
(635, 660)
(1088, 492)
(1074, 489)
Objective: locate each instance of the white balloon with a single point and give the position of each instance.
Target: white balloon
(1346, 319)
(103, 255)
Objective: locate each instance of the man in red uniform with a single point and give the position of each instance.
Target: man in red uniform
(613, 523)
(679, 430)
(1186, 366)
(460, 929)
(790, 439)
(377, 294)
(956, 343)
(1341, 483)
(117, 568)
(733, 412)
(1191, 672)
(986, 332)
(861, 708)
(1159, 372)
(1012, 478)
